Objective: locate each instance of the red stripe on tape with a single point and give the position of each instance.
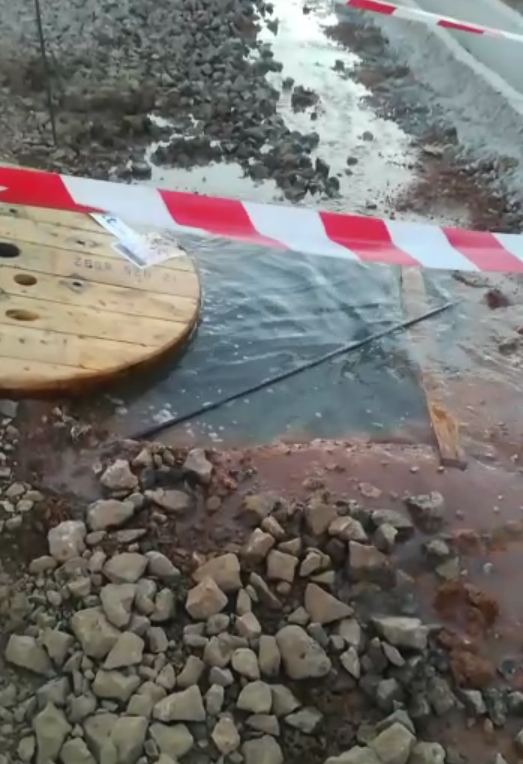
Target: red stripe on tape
(372, 5)
(460, 26)
(39, 189)
(369, 238)
(483, 249)
(219, 216)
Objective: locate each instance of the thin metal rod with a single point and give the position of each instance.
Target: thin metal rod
(47, 71)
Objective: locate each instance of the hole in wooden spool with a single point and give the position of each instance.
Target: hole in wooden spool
(22, 315)
(77, 284)
(8, 250)
(25, 279)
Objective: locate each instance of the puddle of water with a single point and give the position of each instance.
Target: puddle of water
(347, 126)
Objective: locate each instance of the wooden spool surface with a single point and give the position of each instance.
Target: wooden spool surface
(74, 312)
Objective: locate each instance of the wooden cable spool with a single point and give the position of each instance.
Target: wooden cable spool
(74, 312)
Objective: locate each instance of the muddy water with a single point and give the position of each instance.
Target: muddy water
(266, 312)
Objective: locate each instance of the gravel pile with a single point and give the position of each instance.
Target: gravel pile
(196, 63)
(254, 655)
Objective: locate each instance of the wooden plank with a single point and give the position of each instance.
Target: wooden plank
(93, 241)
(87, 322)
(115, 271)
(73, 292)
(444, 425)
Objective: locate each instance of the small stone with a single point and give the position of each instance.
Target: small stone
(313, 562)
(214, 699)
(366, 563)
(281, 566)
(128, 737)
(24, 652)
(351, 662)
(113, 685)
(76, 752)
(125, 568)
(51, 729)
(322, 607)
(394, 745)
(42, 565)
(257, 507)
(205, 599)
(348, 529)
(303, 657)
(98, 730)
(220, 676)
(306, 720)
(140, 705)
(256, 698)
(216, 624)
(94, 632)
(473, 702)
(269, 656)
(80, 708)
(399, 521)
(263, 750)
(225, 735)
(245, 663)
(161, 567)
(57, 643)
(402, 631)
(118, 477)
(283, 700)
(428, 511)
(350, 631)
(109, 513)
(117, 602)
(248, 626)
(127, 651)
(167, 678)
(185, 706)
(67, 540)
(197, 464)
(319, 516)
(385, 538)
(427, 753)
(157, 639)
(356, 755)
(257, 547)
(224, 570)
(174, 741)
(171, 501)
(272, 526)
(191, 672)
(27, 749)
(164, 606)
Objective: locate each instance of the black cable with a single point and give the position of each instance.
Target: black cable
(47, 71)
(149, 432)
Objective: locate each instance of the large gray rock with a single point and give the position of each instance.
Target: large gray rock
(94, 632)
(117, 603)
(51, 729)
(427, 753)
(173, 740)
(303, 657)
(402, 631)
(225, 735)
(76, 752)
(394, 745)
(263, 750)
(185, 706)
(125, 568)
(109, 513)
(198, 464)
(128, 651)
(205, 599)
(322, 607)
(356, 755)
(255, 698)
(170, 500)
(57, 643)
(98, 730)
(224, 570)
(67, 540)
(26, 653)
(161, 567)
(113, 685)
(118, 477)
(128, 737)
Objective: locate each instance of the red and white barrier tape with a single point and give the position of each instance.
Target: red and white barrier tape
(416, 14)
(354, 237)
